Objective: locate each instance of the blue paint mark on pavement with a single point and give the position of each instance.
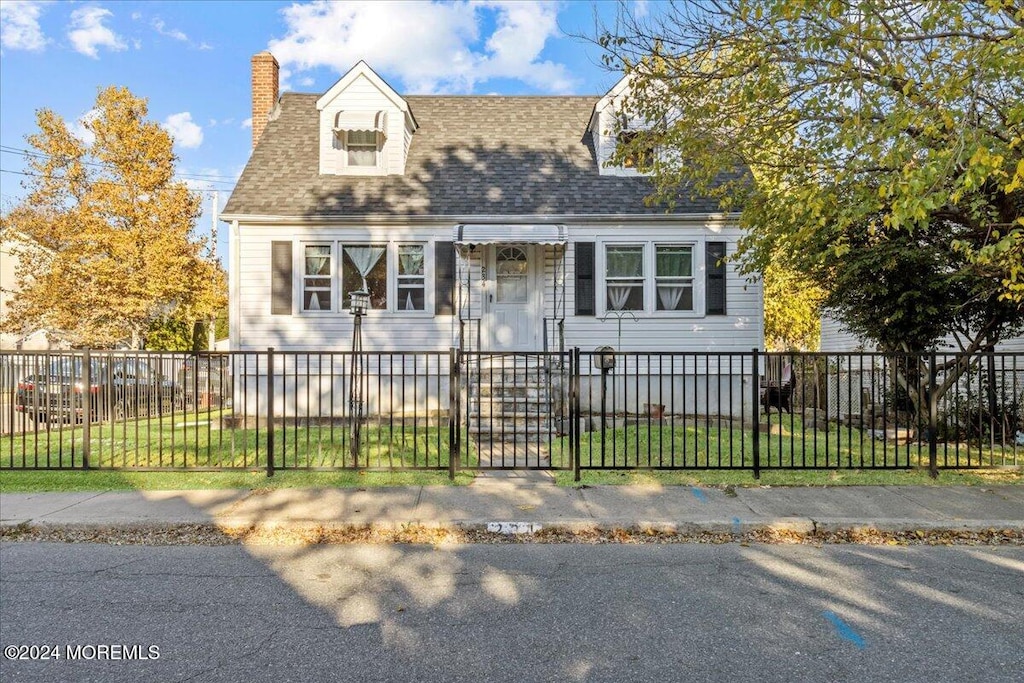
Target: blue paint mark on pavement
(736, 525)
(700, 495)
(845, 631)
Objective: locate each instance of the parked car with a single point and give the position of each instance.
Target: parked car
(117, 388)
(206, 379)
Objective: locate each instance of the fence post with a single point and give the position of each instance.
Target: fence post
(756, 390)
(453, 411)
(574, 410)
(933, 420)
(270, 411)
(86, 395)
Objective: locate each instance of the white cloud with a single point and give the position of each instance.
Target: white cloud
(205, 46)
(247, 123)
(307, 81)
(80, 127)
(184, 130)
(161, 27)
(640, 8)
(19, 26)
(136, 16)
(89, 33)
(431, 47)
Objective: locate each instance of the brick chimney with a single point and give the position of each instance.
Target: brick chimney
(264, 91)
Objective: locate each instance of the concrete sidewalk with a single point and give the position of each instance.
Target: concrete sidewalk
(531, 500)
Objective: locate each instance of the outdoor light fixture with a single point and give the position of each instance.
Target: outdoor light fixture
(360, 302)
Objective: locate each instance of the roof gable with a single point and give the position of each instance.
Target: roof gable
(363, 70)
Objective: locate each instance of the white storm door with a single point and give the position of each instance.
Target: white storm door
(511, 299)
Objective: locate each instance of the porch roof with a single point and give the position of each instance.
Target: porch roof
(506, 233)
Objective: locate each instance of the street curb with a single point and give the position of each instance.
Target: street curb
(796, 527)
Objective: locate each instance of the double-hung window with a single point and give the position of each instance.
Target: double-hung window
(361, 148)
(650, 277)
(316, 278)
(642, 156)
(411, 278)
(673, 277)
(625, 277)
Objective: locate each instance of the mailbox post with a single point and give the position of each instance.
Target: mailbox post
(604, 359)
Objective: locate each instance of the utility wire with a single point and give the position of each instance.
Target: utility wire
(202, 191)
(189, 176)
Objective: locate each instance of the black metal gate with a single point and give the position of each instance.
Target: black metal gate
(514, 410)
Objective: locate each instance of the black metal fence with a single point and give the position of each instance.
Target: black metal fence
(459, 410)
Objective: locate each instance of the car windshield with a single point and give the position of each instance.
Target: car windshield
(68, 367)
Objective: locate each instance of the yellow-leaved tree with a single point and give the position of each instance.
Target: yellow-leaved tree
(106, 233)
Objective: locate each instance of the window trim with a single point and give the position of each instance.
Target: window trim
(390, 257)
(692, 276)
(650, 278)
(646, 156)
(339, 144)
(643, 275)
(398, 244)
(301, 279)
(347, 149)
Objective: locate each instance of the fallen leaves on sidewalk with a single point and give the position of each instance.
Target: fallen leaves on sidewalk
(316, 534)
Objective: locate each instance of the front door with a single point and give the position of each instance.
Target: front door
(510, 295)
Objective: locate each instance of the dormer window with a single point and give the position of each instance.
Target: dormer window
(360, 136)
(640, 157)
(360, 148)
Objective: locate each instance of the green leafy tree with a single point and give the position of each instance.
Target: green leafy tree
(877, 145)
(792, 309)
(107, 233)
(843, 118)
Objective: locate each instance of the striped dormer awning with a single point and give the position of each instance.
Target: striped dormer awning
(351, 120)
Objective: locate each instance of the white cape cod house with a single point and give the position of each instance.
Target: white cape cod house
(483, 223)
(486, 224)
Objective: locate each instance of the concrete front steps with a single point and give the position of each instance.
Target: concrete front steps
(512, 398)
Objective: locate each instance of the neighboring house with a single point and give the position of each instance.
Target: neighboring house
(857, 377)
(28, 340)
(836, 337)
(483, 223)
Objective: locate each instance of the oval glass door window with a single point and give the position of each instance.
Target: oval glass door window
(510, 272)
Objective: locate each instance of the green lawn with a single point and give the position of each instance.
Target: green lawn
(205, 440)
(107, 480)
(709, 449)
(198, 440)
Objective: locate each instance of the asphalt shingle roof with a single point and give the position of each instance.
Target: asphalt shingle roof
(499, 156)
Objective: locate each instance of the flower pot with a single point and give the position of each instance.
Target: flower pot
(655, 410)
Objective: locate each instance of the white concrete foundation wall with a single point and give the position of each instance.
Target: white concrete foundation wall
(687, 395)
(328, 396)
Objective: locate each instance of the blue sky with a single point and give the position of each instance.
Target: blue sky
(191, 61)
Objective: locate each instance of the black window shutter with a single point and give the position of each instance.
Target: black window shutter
(281, 278)
(585, 278)
(444, 278)
(715, 270)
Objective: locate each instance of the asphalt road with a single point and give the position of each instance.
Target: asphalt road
(515, 613)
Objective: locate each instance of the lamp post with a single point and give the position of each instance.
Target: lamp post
(359, 304)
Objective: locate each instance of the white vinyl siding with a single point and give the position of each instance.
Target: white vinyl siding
(398, 329)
